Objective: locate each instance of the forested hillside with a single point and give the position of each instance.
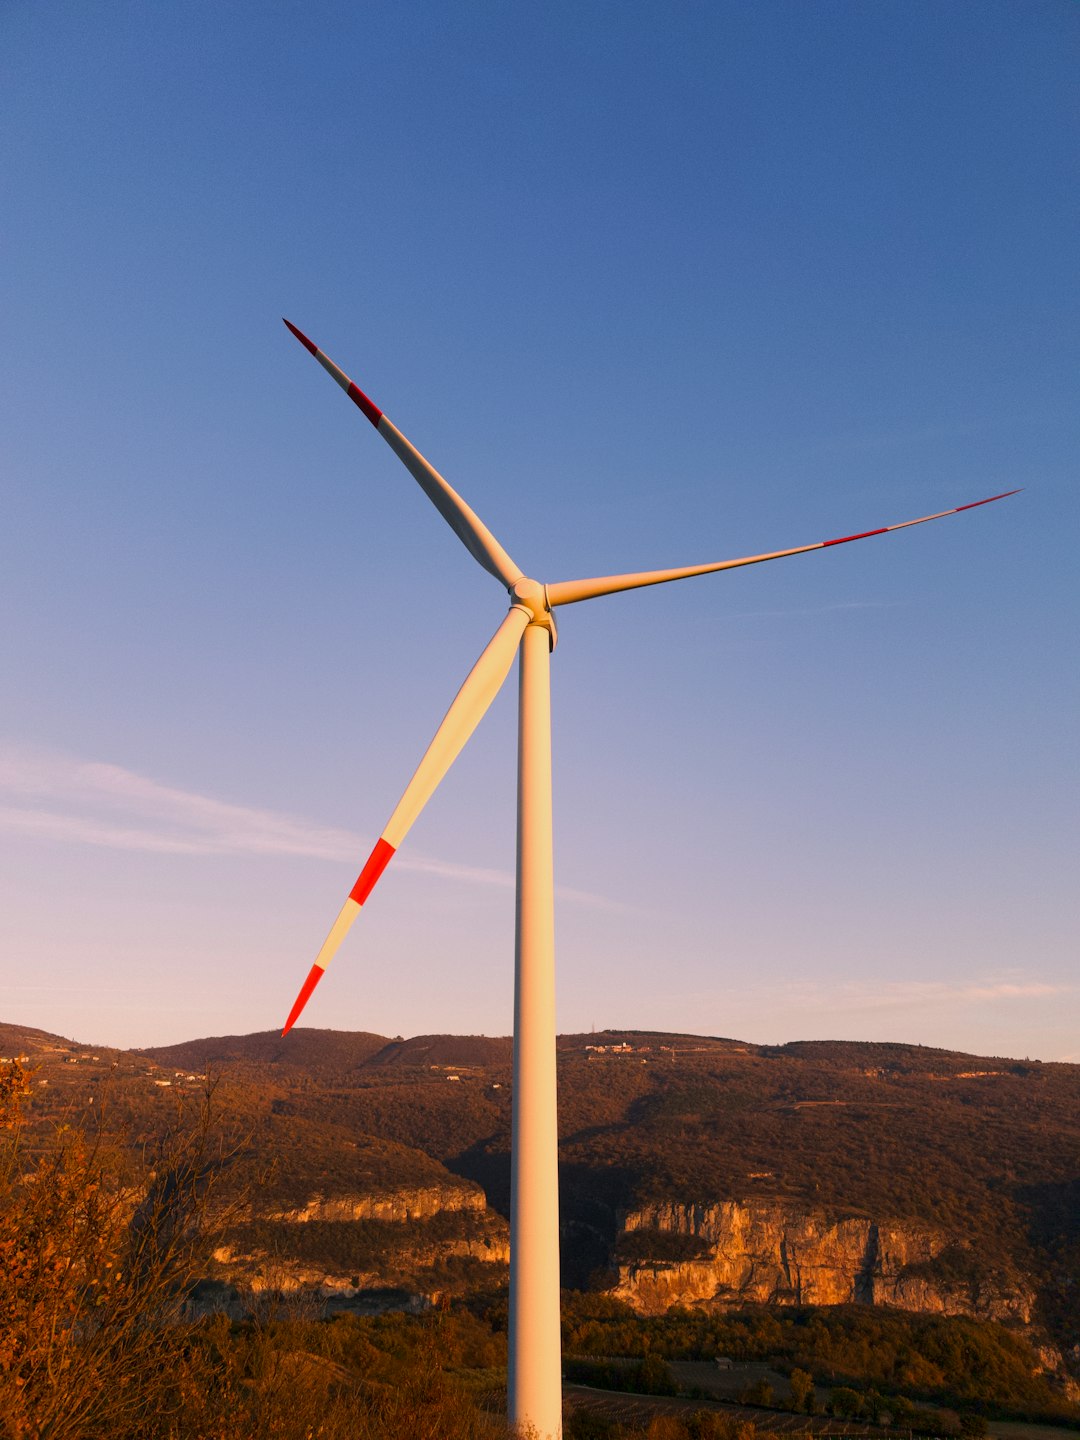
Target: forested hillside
(976, 1160)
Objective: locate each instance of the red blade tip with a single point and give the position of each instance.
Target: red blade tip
(314, 976)
(300, 336)
(989, 499)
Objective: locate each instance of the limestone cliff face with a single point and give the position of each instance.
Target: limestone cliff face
(776, 1253)
(393, 1205)
(404, 1264)
(403, 1250)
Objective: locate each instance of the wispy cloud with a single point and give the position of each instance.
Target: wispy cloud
(867, 997)
(52, 797)
(860, 997)
(58, 797)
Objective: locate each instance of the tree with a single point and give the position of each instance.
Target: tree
(97, 1250)
(902, 1411)
(802, 1391)
(666, 1427)
(845, 1403)
(652, 1377)
(707, 1425)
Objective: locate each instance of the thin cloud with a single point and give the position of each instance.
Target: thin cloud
(59, 798)
(89, 803)
(861, 997)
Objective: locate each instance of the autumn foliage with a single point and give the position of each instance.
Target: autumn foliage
(97, 1248)
(100, 1242)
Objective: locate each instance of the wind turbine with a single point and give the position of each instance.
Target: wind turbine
(535, 1371)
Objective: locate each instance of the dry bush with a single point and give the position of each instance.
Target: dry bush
(98, 1246)
(100, 1242)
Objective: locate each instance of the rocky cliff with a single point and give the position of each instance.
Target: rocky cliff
(425, 1240)
(769, 1252)
(419, 1203)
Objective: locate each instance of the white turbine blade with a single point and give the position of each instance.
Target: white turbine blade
(568, 592)
(470, 705)
(466, 525)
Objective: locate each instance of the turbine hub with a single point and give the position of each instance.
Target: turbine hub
(531, 596)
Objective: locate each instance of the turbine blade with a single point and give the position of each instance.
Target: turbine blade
(470, 705)
(568, 592)
(466, 525)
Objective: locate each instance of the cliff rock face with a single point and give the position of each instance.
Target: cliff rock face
(774, 1253)
(400, 1242)
(403, 1266)
(393, 1205)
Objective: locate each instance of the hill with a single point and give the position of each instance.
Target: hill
(694, 1170)
(333, 1050)
(459, 1051)
(22, 1040)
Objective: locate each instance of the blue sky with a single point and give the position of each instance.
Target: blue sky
(651, 286)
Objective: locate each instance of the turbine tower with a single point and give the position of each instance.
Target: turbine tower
(534, 1396)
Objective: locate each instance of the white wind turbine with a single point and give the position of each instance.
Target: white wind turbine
(535, 1379)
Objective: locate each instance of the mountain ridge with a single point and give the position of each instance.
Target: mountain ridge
(822, 1147)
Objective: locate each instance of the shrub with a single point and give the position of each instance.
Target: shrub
(802, 1391)
(666, 1427)
(652, 1377)
(845, 1404)
(97, 1251)
(585, 1425)
(759, 1393)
